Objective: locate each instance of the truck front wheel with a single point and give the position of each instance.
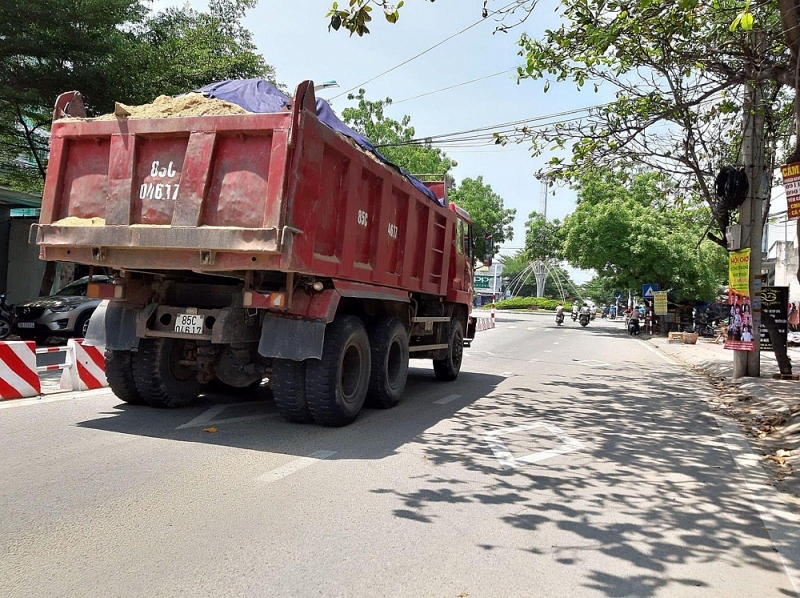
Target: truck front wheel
(288, 381)
(161, 375)
(119, 373)
(337, 384)
(388, 342)
(447, 369)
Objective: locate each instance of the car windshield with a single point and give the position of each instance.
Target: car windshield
(76, 289)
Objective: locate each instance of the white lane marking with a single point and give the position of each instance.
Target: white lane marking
(657, 352)
(593, 363)
(293, 467)
(781, 526)
(511, 327)
(447, 399)
(507, 374)
(57, 398)
(548, 351)
(204, 417)
(533, 361)
(532, 329)
(509, 461)
(556, 343)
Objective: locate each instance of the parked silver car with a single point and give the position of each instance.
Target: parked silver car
(66, 313)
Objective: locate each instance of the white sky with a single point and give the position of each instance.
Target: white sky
(293, 37)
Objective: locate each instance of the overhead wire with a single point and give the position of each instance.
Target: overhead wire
(433, 47)
(430, 93)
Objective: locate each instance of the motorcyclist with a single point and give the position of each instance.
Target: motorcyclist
(634, 320)
(575, 311)
(559, 313)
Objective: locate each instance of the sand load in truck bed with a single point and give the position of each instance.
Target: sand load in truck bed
(191, 104)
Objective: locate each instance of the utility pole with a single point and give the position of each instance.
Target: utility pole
(748, 363)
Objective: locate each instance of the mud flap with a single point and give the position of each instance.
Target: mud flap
(296, 340)
(113, 327)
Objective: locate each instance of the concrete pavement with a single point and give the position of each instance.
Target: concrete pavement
(562, 462)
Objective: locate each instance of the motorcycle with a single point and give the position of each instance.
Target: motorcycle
(704, 328)
(584, 319)
(633, 327)
(559, 319)
(6, 318)
(574, 316)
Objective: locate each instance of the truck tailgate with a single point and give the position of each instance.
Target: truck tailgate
(212, 183)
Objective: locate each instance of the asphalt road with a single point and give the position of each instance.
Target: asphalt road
(562, 462)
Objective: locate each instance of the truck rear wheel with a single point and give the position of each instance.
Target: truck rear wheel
(288, 382)
(160, 377)
(119, 373)
(388, 341)
(447, 369)
(337, 384)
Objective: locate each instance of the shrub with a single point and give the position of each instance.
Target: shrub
(530, 302)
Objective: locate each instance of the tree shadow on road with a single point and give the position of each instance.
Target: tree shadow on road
(654, 490)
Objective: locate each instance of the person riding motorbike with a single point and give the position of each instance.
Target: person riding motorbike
(574, 311)
(633, 322)
(559, 313)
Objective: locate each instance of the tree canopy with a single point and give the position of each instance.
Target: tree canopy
(489, 215)
(631, 235)
(109, 50)
(391, 136)
(542, 238)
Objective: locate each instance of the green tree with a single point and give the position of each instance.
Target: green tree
(489, 216)
(630, 236)
(391, 137)
(542, 238)
(110, 50)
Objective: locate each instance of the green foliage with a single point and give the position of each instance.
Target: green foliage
(531, 302)
(109, 50)
(390, 135)
(489, 216)
(355, 17)
(542, 238)
(630, 237)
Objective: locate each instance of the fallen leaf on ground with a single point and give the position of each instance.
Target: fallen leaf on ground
(210, 430)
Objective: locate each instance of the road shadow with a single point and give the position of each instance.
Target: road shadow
(249, 419)
(654, 487)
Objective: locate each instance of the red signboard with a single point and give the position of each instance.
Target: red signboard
(791, 182)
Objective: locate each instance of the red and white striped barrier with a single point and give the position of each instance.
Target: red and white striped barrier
(483, 323)
(18, 375)
(88, 368)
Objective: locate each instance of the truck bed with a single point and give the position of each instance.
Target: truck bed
(233, 193)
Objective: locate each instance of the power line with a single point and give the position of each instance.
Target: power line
(433, 47)
(430, 93)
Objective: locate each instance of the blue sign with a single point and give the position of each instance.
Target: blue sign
(648, 290)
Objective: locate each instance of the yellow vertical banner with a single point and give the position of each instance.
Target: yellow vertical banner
(740, 323)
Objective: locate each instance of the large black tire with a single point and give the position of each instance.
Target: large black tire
(5, 328)
(388, 341)
(119, 373)
(337, 384)
(447, 369)
(288, 381)
(159, 378)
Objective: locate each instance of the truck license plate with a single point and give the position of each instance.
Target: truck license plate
(26, 324)
(189, 324)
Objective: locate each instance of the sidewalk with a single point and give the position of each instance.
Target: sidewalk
(767, 410)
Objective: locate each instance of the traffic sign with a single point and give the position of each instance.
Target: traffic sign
(648, 290)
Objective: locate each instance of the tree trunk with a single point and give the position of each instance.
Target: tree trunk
(48, 278)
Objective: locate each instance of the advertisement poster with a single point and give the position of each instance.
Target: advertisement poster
(774, 301)
(660, 303)
(791, 182)
(740, 324)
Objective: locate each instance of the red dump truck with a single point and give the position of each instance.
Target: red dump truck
(257, 245)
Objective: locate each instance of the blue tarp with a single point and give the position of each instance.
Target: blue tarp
(260, 96)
